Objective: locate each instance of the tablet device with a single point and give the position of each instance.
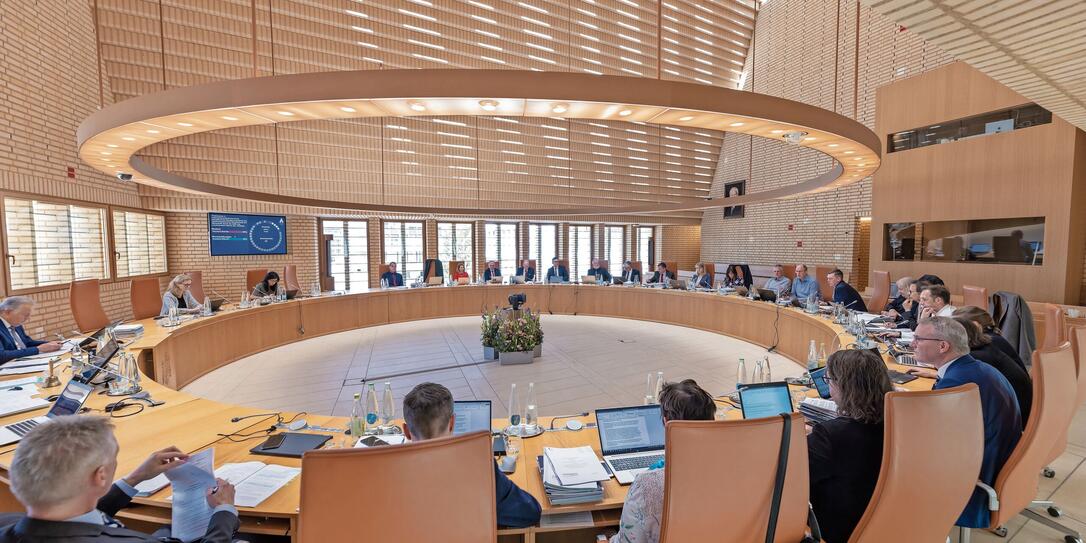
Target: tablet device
(821, 385)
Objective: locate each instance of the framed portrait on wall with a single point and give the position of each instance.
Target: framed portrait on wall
(731, 190)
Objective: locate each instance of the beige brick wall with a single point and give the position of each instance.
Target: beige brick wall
(803, 51)
(187, 243)
(681, 244)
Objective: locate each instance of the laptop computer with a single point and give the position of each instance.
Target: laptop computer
(216, 304)
(767, 295)
(762, 400)
(588, 279)
(435, 281)
(292, 293)
(475, 416)
(69, 402)
(101, 357)
(516, 280)
(91, 339)
(463, 281)
(820, 385)
(631, 439)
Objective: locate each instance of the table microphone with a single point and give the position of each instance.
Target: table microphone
(585, 414)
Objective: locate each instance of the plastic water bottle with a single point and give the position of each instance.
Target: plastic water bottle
(358, 425)
(207, 306)
(371, 407)
(659, 385)
(384, 283)
(822, 356)
(650, 389)
(812, 357)
(388, 406)
(244, 303)
(514, 411)
(531, 415)
(742, 378)
(759, 372)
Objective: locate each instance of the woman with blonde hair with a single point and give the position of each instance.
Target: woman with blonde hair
(179, 296)
(701, 279)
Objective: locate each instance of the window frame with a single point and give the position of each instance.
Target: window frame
(401, 266)
(574, 269)
(543, 262)
(111, 246)
(470, 266)
(516, 245)
(607, 242)
(320, 234)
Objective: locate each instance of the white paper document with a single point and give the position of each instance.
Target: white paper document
(828, 405)
(256, 481)
(19, 398)
(191, 512)
(575, 465)
(389, 439)
(17, 368)
(150, 486)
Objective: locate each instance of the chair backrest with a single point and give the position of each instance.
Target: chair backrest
(1078, 344)
(710, 270)
(146, 299)
(1054, 390)
(975, 296)
(636, 265)
(1055, 327)
(197, 288)
(381, 270)
(672, 267)
(454, 265)
(931, 453)
(699, 485)
(564, 262)
(86, 305)
(531, 264)
(436, 490)
(605, 264)
(252, 277)
(880, 291)
(824, 288)
(290, 278)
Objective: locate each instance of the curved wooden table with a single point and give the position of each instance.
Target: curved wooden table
(174, 357)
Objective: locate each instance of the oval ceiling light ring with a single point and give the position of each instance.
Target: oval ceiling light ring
(136, 123)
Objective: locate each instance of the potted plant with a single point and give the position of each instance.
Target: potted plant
(491, 320)
(516, 340)
(535, 328)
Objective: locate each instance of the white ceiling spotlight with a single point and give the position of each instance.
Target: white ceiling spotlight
(795, 138)
(489, 105)
(560, 108)
(417, 106)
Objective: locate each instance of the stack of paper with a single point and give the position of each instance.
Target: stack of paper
(255, 481)
(19, 396)
(818, 410)
(572, 475)
(127, 331)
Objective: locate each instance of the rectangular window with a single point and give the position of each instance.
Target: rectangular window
(501, 245)
(644, 251)
(53, 244)
(349, 253)
(139, 240)
(542, 245)
(1018, 240)
(580, 251)
(613, 248)
(455, 241)
(403, 245)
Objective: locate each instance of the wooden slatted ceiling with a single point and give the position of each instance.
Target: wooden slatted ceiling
(454, 161)
(1037, 49)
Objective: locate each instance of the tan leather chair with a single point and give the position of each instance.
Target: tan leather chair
(1055, 327)
(395, 492)
(605, 264)
(699, 485)
(197, 288)
(880, 293)
(824, 288)
(975, 296)
(672, 266)
(710, 270)
(383, 269)
(931, 453)
(252, 277)
(453, 264)
(1054, 390)
(146, 299)
(1078, 344)
(86, 305)
(290, 279)
(636, 265)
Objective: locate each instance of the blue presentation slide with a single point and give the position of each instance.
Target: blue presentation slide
(234, 234)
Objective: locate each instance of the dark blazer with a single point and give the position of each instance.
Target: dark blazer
(897, 304)
(394, 279)
(845, 458)
(657, 279)
(600, 272)
(529, 273)
(634, 275)
(489, 274)
(1015, 322)
(843, 293)
(1002, 428)
(439, 269)
(561, 272)
(516, 508)
(1003, 345)
(8, 349)
(1018, 378)
(18, 528)
(703, 282)
(909, 317)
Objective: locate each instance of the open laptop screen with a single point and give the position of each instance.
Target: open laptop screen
(101, 357)
(71, 399)
(765, 400)
(471, 416)
(630, 429)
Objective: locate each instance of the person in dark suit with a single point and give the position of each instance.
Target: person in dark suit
(843, 293)
(14, 342)
(896, 307)
(492, 271)
(662, 274)
(392, 278)
(629, 273)
(527, 271)
(597, 271)
(845, 454)
(557, 273)
(982, 348)
(943, 343)
(987, 323)
(63, 474)
(428, 414)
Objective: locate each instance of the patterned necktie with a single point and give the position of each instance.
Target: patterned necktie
(15, 337)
